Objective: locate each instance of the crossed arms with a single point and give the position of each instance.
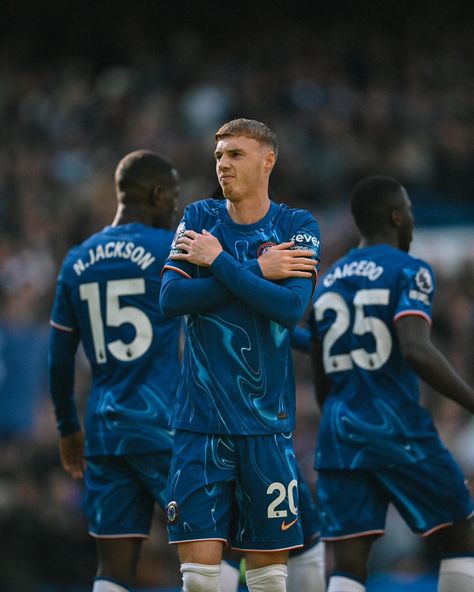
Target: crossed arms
(252, 282)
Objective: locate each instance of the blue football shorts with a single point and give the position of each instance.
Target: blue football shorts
(429, 495)
(121, 492)
(237, 489)
(309, 516)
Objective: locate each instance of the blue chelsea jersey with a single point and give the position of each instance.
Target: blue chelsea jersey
(372, 417)
(108, 291)
(237, 368)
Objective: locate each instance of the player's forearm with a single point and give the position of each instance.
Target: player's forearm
(198, 295)
(62, 393)
(282, 304)
(432, 367)
(62, 350)
(321, 381)
(180, 296)
(301, 339)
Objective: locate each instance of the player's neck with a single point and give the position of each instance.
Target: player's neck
(248, 211)
(127, 215)
(373, 241)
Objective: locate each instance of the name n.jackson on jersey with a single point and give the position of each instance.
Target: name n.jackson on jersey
(108, 291)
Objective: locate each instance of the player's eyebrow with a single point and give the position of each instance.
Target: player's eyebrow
(230, 152)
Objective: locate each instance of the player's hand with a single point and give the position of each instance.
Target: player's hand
(200, 249)
(280, 262)
(71, 452)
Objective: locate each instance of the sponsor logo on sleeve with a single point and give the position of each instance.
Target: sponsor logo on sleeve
(424, 281)
(178, 234)
(305, 238)
(420, 296)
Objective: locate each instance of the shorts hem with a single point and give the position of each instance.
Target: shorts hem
(308, 544)
(433, 529)
(353, 535)
(176, 539)
(264, 548)
(124, 535)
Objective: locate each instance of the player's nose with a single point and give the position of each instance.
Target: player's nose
(223, 164)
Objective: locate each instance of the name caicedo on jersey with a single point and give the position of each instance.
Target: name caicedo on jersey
(368, 269)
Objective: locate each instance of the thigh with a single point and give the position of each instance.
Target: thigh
(200, 487)
(152, 469)
(118, 558)
(430, 495)
(256, 559)
(206, 552)
(351, 555)
(457, 540)
(351, 504)
(116, 504)
(309, 514)
(267, 517)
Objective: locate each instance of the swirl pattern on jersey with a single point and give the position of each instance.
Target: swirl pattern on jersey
(386, 436)
(122, 427)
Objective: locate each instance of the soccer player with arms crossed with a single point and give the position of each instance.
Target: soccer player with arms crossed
(107, 296)
(376, 444)
(243, 269)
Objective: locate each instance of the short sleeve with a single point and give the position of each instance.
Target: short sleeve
(62, 314)
(305, 234)
(417, 291)
(183, 267)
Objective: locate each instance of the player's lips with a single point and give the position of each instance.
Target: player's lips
(225, 178)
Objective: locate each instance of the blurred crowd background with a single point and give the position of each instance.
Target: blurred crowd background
(350, 88)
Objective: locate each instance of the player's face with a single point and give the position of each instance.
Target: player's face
(243, 166)
(166, 206)
(408, 223)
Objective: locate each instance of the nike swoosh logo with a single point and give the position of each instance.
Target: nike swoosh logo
(285, 526)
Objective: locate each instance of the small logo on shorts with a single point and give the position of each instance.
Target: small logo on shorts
(285, 526)
(172, 513)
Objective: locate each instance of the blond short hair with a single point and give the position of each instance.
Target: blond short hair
(249, 128)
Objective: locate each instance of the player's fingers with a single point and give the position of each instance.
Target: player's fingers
(304, 261)
(306, 268)
(283, 246)
(77, 466)
(299, 252)
(77, 472)
(68, 466)
(183, 241)
(190, 234)
(296, 273)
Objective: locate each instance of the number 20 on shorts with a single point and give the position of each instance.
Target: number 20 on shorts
(283, 493)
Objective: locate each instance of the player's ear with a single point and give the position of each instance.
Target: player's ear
(155, 194)
(269, 161)
(396, 218)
